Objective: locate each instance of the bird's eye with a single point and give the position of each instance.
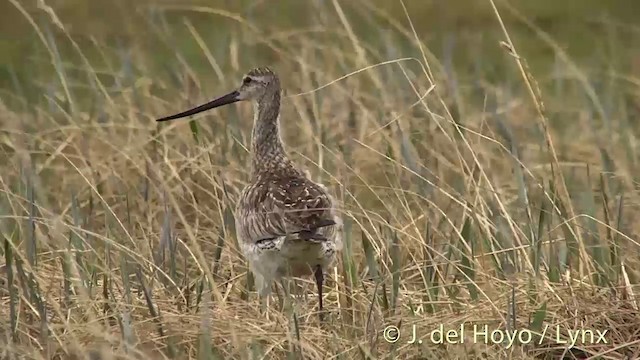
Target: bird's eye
(246, 80)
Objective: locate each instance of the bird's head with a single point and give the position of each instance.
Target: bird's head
(255, 85)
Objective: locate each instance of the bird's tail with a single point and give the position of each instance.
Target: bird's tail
(312, 235)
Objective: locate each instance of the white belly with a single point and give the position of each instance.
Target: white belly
(287, 257)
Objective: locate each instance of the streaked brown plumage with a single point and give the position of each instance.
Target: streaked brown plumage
(286, 224)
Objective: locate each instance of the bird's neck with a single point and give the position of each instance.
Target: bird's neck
(268, 152)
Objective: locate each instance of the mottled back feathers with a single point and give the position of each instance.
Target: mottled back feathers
(275, 206)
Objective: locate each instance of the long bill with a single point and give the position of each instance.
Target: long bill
(230, 98)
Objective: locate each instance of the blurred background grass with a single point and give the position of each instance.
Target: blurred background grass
(118, 232)
(586, 29)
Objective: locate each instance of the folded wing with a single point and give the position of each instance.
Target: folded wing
(279, 207)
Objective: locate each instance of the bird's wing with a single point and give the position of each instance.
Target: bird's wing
(277, 207)
(304, 204)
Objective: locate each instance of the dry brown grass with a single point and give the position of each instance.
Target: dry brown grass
(460, 209)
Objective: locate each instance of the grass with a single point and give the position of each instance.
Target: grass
(477, 190)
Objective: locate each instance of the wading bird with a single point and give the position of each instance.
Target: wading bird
(286, 224)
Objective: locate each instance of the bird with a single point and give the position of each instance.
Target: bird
(287, 225)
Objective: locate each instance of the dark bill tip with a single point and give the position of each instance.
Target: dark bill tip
(223, 100)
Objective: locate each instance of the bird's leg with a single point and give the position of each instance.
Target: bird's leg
(297, 293)
(319, 281)
(263, 287)
(265, 301)
(286, 301)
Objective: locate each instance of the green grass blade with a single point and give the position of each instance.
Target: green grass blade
(13, 296)
(466, 262)
(369, 253)
(395, 269)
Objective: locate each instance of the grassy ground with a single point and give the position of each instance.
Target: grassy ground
(483, 197)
